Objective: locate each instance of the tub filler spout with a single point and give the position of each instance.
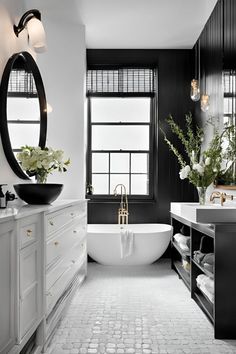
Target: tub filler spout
(123, 212)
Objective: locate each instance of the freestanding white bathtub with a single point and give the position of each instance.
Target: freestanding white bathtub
(150, 242)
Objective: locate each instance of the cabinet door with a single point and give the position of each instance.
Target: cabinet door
(30, 288)
(7, 289)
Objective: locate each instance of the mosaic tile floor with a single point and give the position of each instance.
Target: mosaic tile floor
(140, 310)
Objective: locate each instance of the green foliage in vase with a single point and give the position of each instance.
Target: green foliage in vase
(200, 167)
(227, 175)
(41, 161)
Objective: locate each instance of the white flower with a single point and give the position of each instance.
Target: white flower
(41, 161)
(183, 173)
(207, 161)
(199, 168)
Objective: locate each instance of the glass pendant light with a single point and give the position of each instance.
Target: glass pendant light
(205, 102)
(195, 90)
(205, 98)
(195, 83)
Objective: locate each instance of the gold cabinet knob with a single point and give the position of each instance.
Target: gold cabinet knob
(29, 232)
(51, 223)
(73, 261)
(75, 231)
(72, 214)
(56, 243)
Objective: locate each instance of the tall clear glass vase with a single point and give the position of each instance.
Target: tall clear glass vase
(41, 178)
(202, 195)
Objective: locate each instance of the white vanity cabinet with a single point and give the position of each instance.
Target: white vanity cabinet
(7, 286)
(43, 260)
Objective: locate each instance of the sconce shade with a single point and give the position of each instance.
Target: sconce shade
(31, 21)
(195, 90)
(205, 102)
(37, 37)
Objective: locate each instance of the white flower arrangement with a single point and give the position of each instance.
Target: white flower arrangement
(201, 168)
(41, 161)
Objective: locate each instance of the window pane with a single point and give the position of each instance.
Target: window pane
(23, 134)
(120, 109)
(117, 179)
(100, 162)
(139, 163)
(120, 137)
(21, 108)
(120, 163)
(139, 184)
(100, 184)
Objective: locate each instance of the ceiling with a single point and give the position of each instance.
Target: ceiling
(146, 24)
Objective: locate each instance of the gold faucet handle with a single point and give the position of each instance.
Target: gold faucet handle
(228, 196)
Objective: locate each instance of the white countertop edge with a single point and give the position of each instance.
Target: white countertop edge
(18, 212)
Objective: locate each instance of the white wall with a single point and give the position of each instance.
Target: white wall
(9, 44)
(63, 68)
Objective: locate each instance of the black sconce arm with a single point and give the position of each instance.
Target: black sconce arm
(25, 18)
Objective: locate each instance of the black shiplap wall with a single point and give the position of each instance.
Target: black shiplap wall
(218, 52)
(175, 71)
(211, 64)
(229, 36)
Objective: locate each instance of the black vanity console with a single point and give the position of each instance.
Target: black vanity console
(221, 241)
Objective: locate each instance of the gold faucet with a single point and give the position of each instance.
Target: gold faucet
(123, 212)
(223, 197)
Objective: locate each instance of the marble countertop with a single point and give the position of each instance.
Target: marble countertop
(15, 212)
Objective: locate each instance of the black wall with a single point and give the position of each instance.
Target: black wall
(217, 52)
(175, 71)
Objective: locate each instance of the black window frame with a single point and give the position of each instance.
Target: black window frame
(152, 137)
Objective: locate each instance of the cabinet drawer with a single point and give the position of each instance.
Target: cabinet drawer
(74, 254)
(58, 246)
(60, 286)
(57, 220)
(29, 229)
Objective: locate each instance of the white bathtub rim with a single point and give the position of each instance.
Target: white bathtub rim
(147, 228)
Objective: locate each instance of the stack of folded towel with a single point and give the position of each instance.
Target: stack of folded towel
(206, 285)
(205, 255)
(182, 241)
(208, 262)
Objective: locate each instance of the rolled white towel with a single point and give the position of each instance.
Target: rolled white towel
(126, 243)
(181, 238)
(182, 241)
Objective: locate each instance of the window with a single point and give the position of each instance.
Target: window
(120, 130)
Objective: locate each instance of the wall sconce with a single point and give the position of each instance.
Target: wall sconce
(31, 21)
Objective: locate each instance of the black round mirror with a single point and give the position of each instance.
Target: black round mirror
(23, 108)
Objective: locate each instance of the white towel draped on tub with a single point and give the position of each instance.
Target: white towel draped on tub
(126, 243)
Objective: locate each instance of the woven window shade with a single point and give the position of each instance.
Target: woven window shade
(22, 82)
(124, 80)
